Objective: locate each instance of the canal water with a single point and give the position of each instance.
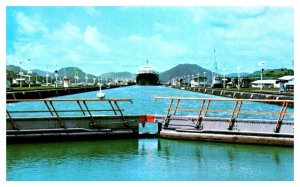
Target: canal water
(148, 159)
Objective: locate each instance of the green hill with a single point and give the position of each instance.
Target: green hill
(184, 70)
(272, 73)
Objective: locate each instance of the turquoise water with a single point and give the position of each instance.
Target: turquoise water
(147, 159)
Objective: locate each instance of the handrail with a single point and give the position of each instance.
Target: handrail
(69, 99)
(234, 113)
(55, 112)
(224, 99)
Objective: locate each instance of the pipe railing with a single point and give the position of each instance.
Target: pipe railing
(54, 111)
(204, 108)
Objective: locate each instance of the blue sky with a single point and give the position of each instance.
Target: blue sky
(105, 39)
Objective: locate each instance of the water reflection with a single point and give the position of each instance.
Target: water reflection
(153, 159)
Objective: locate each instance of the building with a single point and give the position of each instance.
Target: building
(199, 81)
(264, 84)
(288, 82)
(66, 82)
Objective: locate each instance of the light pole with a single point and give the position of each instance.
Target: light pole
(224, 84)
(204, 73)
(261, 66)
(56, 75)
(86, 79)
(238, 68)
(21, 74)
(47, 75)
(188, 80)
(198, 79)
(29, 72)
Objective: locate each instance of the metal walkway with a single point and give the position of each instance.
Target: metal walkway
(206, 116)
(205, 119)
(70, 117)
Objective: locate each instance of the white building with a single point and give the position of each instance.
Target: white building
(264, 84)
(273, 83)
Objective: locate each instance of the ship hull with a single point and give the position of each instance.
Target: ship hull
(147, 79)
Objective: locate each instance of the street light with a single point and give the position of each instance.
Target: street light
(47, 75)
(261, 66)
(198, 79)
(29, 72)
(224, 84)
(204, 73)
(56, 75)
(238, 68)
(21, 74)
(86, 79)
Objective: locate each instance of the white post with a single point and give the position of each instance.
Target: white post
(261, 80)
(238, 68)
(47, 79)
(29, 72)
(224, 84)
(56, 80)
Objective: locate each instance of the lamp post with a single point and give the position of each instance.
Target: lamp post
(86, 79)
(29, 72)
(261, 66)
(224, 84)
(204, 73)
(238, 68)
(47, 75)
(56, 75)
(198, 79)
(21, 74)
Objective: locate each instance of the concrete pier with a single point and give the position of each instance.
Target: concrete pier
(240, 94)
(52, 92)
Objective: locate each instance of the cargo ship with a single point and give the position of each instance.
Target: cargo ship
(146, 75)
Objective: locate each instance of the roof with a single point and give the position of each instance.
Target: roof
(264, 82)
(288, 77)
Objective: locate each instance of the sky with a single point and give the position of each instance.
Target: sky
(114, 39)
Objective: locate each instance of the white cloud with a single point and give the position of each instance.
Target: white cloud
(67, 33)
(93, 38)
(157, 46)
(167, 48)
(29, 25)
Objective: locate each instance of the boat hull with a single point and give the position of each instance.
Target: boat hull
(147, 79)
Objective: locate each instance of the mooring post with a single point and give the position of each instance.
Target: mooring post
(159, 127)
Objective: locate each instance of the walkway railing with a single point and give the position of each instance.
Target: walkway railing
(54, 111)
(203, 109)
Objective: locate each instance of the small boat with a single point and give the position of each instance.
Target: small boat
(100, 94)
